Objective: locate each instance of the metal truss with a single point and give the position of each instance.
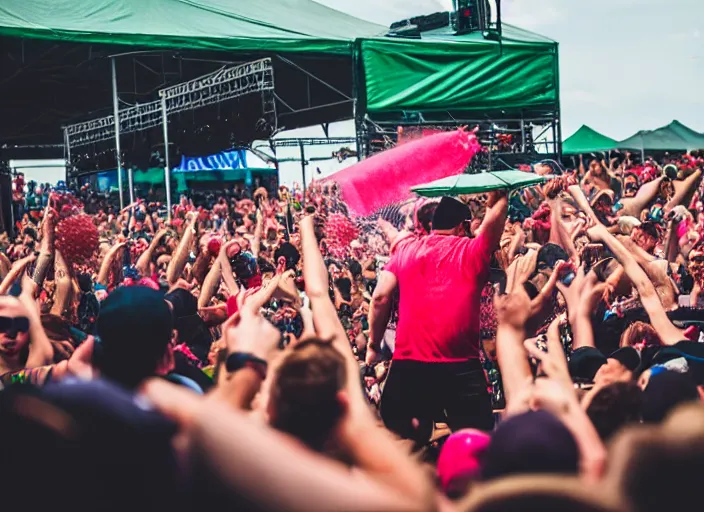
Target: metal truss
(140, 117)
(222, 85)
(312, 141)
(89, 132)
(225, 84)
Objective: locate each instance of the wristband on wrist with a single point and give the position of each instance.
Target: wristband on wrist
(238, 360)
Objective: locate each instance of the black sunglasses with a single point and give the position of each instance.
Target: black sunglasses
(13, 326)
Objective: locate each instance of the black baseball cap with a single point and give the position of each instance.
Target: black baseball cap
(135, 326)
(450, 213)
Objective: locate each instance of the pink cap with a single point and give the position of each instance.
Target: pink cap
(460, 456)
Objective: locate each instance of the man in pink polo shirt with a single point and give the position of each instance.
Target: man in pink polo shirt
(436, 374)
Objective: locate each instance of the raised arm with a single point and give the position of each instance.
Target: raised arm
(180, 257)
(380, 313)
(258, 231)
(304, 480)
(667, 331)
(315, 275)
(41, 352)
(683, 189)
(563, 238)
(146, 257)
(495, 218)
(5, 265)
(62, 295)
(646, 193)
(512, 314)
(15, 273)
(648, 295)
(46, 251)
(106, 264)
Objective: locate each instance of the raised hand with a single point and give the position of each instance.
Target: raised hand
(248, 332)
(513, 309)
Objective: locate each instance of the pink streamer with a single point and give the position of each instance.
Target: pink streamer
(387, 178)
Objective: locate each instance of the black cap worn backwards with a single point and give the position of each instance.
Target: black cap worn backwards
(450, 213)
(135, 326)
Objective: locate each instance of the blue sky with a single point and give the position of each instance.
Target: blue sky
(625, 65)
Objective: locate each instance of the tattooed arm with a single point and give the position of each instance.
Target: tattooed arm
(46, 252)
(62, 295)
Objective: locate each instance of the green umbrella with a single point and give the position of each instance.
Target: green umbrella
(479, 183)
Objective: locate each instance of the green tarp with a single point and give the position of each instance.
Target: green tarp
(673, 137)
(236, 25)
(439, 72)
(465, 184)
(587, 140)
(446, 72)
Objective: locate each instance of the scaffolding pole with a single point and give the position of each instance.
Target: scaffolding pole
(116, 116)
(303, 163)
(67, 155)
(167, 171)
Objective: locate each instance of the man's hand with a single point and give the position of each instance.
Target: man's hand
(48, 223)
(494, 197)
(372, 356)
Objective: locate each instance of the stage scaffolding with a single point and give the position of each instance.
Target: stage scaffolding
(509, 139)
(224, 84)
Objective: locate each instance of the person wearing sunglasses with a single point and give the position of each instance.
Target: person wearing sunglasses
(17, 330)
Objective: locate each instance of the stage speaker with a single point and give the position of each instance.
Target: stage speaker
(471, 15)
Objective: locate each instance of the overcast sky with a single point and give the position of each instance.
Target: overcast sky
(625, 65)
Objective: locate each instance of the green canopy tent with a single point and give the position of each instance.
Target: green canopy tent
(464, 184)
(346, 66)
(685, 131)
(673, 137)
(586, 140)
(468, 72)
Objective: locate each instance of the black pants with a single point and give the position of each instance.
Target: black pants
(417, 394)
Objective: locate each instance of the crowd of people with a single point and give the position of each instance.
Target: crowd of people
(537, 349)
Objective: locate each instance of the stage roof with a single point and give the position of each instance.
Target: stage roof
(57, 71)
(240, 25)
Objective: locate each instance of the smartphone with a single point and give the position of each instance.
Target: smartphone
(568, 278)
(567, 275)
(591, 254)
